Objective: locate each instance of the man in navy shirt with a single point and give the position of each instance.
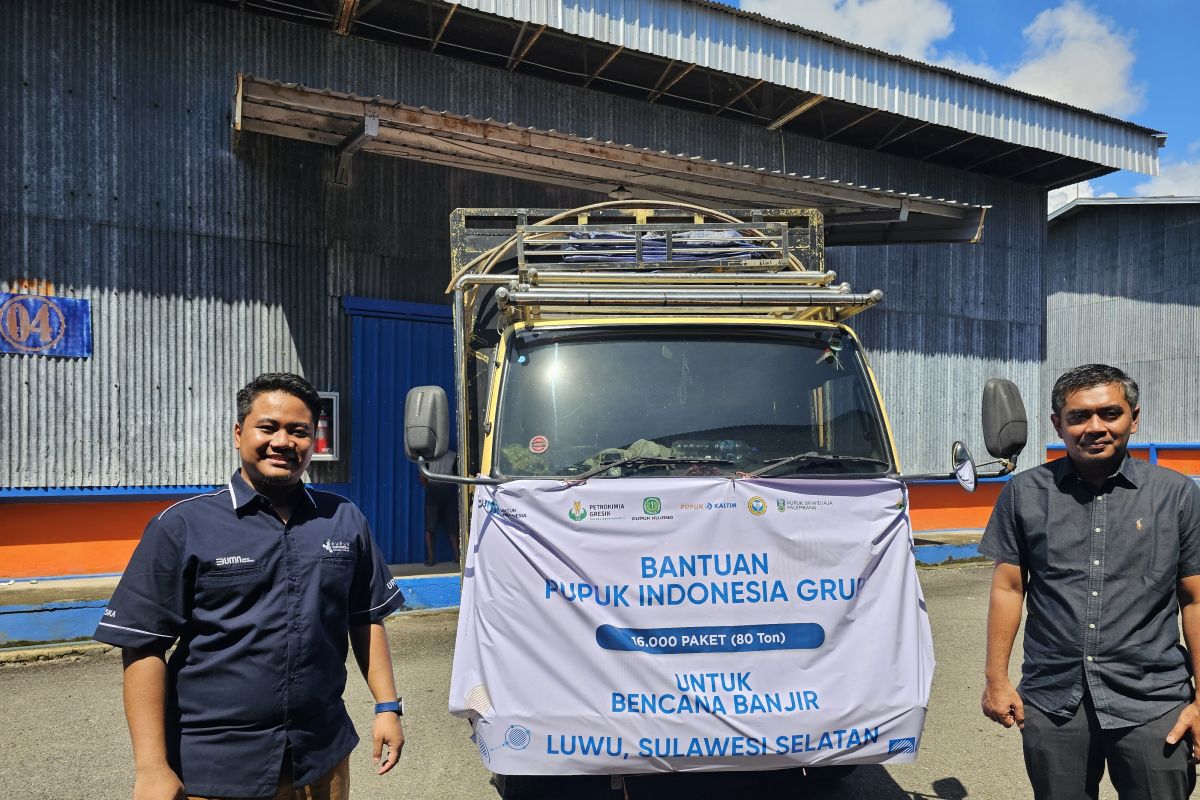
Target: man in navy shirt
(260, 584)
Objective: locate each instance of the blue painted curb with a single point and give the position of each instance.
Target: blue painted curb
(941, 553)
(76, 619)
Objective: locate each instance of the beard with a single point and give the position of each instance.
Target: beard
(278, 480)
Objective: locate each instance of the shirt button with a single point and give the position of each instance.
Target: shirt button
(1095, 594)
(1095, 563)
(1097, 530)
(1091, 625)
(1091, 659)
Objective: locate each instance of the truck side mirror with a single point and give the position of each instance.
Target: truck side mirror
(426, 423)
(965, 471)
(1005, 426)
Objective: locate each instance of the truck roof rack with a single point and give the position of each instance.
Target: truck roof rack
(646, 258)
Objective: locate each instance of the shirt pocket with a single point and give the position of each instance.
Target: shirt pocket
(336, 575)
(242, 573)
(230, 589)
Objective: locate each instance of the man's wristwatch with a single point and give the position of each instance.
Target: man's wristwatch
(396, 705)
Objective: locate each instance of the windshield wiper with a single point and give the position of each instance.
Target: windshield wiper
(647, 461)
(828, 458)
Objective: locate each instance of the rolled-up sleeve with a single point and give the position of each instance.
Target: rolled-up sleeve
(1189, 531)
(148, 608)
(374, 593)
(1002, 539)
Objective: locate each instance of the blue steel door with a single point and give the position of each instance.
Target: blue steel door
(395, 346)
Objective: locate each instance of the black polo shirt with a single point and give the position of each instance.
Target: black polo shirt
(1103, 568)
(261, 612)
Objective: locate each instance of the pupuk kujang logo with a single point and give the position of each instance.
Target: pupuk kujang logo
(651, 505)
(577, 513)
(757, 506)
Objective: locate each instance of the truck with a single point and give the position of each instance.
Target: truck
(688, 563)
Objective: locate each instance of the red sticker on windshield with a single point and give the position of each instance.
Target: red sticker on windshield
(539, 444)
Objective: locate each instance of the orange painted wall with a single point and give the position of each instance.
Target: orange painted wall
(96, 538)
(945, 506)
(85, 538)
(1185, 461)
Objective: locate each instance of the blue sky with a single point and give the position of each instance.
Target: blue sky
(1138, 61)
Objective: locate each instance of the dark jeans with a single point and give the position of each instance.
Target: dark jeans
(1065, 758)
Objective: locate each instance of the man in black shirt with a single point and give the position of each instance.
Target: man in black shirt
(1105, 550)
(260, 584)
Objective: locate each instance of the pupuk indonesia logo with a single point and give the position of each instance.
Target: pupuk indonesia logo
(757, 506)
(577, 512)
(651, 505)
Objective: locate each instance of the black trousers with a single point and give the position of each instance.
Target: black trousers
(1065, 758)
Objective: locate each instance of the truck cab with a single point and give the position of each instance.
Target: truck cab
(688, 562)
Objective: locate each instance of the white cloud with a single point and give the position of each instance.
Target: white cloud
(1076, 56)
(1058, 198)
(905, 27)
(1179, 178)
(1072, 53)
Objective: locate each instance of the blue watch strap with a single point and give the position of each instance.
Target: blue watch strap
(396, 705)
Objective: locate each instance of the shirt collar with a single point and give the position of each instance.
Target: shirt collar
(1065, 474)
(244, 494)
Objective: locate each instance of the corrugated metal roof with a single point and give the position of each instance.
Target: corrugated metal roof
(738, 43)
(1073, 206)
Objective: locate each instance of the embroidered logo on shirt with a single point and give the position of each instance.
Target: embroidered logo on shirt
(108, 612)
(229, 561)
(336, 547)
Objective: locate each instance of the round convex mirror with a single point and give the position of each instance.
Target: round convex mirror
(964, 466)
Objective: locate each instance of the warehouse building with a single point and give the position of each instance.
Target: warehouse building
(208, 190)
(1122, 283)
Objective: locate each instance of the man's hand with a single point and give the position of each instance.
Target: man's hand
(1002, 704)
(157, 783)
(1188, 725)
(387, 731)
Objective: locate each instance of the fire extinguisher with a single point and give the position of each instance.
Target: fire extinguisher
(322, 443)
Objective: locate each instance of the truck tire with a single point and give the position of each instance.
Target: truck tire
(554, 787)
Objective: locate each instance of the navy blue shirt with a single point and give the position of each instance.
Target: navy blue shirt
(261, 612)
(1101, 596)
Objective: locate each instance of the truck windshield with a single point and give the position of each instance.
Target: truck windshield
(653, 403)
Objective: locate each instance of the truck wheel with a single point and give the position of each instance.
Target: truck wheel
(827, 776)
(554, 787)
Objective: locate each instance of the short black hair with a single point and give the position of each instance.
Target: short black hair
(1088, 376)
(278, 382)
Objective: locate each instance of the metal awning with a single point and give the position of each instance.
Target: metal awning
(854, 214)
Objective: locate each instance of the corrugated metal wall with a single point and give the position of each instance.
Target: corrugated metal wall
(207, 264)
(1123, 288)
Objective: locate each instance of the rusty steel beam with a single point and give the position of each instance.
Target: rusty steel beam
(344, 18)
(741, 94)
(442, 30)
(603, 66)
(513, 61)
(657, 93)
(804, 107)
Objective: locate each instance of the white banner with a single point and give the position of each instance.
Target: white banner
(646, 625)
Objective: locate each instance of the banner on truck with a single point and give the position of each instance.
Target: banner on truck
(645, 625)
